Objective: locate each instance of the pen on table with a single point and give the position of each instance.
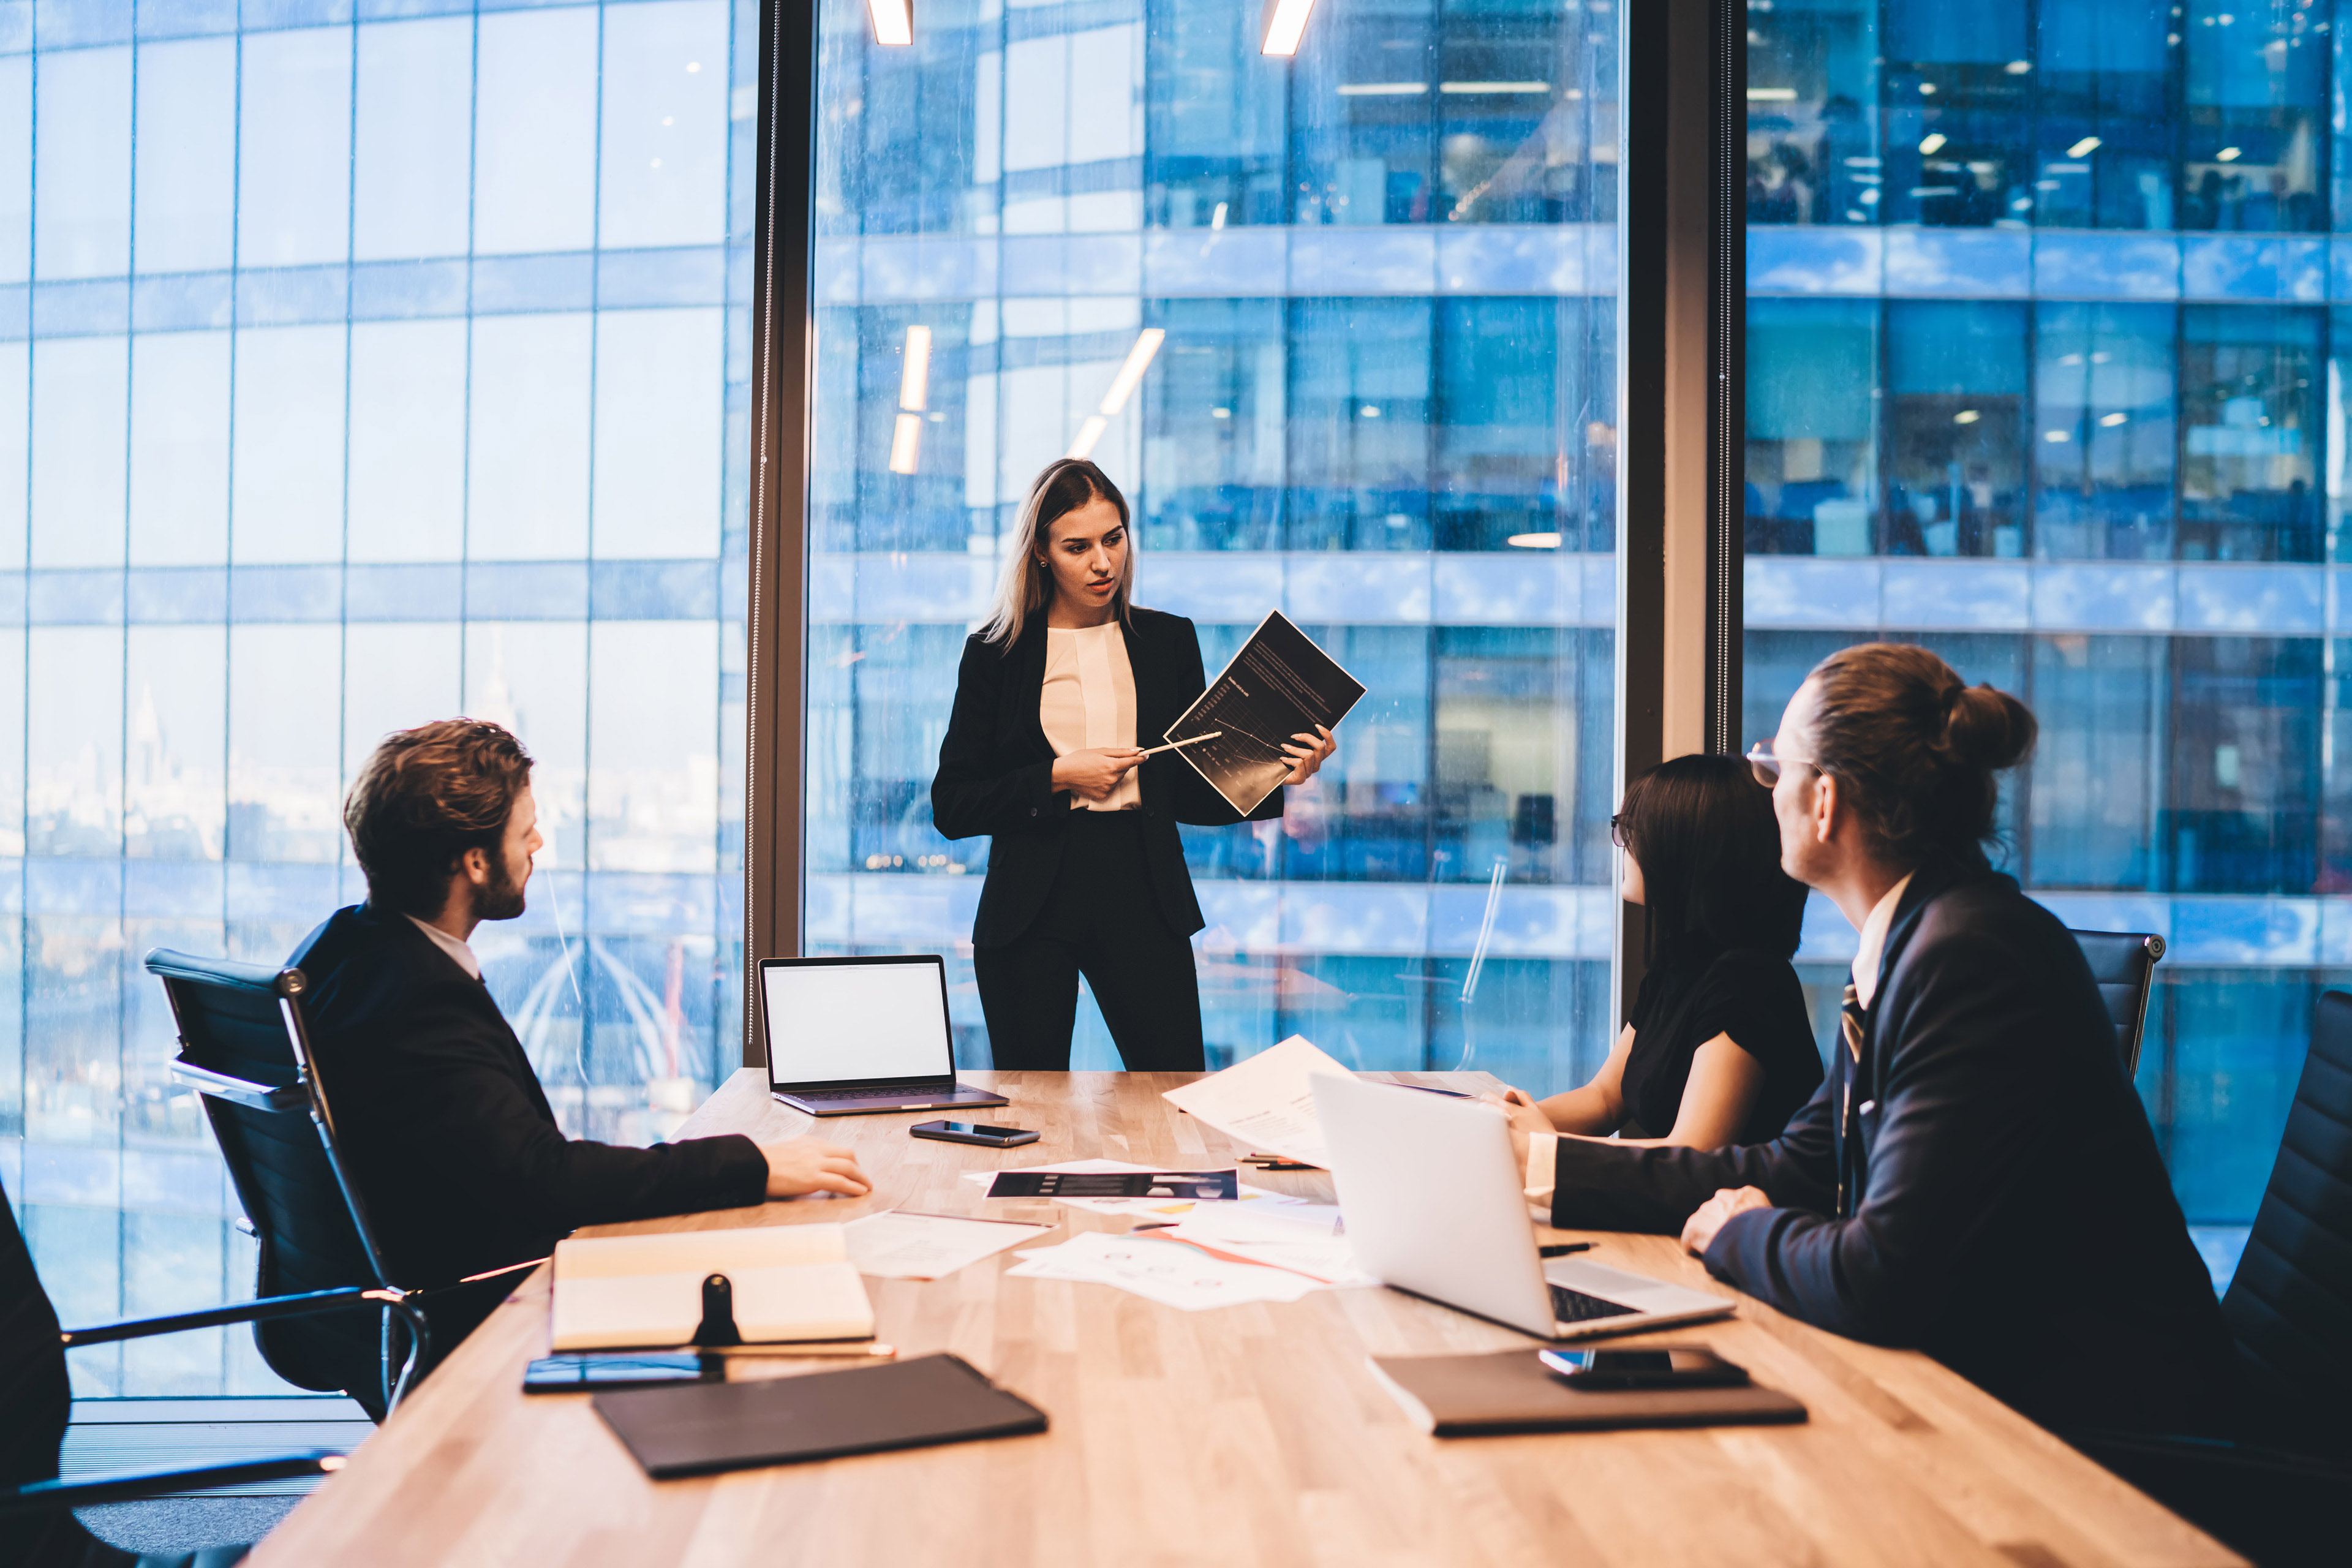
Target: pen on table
(1564, 1248)
(1187, 741)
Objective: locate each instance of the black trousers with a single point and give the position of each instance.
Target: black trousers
(1101, 921)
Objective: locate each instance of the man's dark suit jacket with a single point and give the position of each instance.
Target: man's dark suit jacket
(2011, 1214)
(996, 773)
(453, 1146)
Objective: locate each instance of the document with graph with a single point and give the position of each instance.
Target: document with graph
(1279, 685)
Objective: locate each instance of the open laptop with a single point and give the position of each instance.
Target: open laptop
(848, 1036)
(1433, 1205)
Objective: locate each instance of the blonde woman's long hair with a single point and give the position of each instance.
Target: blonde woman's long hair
(1027, 586)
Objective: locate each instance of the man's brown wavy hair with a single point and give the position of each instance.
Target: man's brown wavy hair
(423, 798)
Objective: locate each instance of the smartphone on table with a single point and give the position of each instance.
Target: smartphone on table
(1668, 1366)
(979, 1132)
(587, 1371)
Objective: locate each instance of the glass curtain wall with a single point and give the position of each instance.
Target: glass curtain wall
(2044, 370)
(357, 368)
(1372, 291)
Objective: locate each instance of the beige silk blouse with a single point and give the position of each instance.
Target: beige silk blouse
(1088, 700)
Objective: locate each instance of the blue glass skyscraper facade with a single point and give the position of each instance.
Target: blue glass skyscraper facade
(2046, 370)
(360, 364)
(1384, 402)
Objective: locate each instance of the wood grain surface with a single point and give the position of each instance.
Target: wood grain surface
(1238, 1436)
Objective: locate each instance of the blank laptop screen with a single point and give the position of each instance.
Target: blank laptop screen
(856, 1023)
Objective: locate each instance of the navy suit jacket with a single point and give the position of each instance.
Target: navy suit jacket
(996, 773)
(450, 1140)
(2010, 1210)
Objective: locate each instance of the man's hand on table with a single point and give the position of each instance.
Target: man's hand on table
(1699, 1230)
(802, 1166)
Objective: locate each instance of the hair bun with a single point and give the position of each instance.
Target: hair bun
(1986, 728)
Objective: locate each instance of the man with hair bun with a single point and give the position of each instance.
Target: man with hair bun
(451, 1141)
(1975, 1178)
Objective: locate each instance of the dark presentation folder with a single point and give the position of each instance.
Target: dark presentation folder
(698, 1429)
(1481, 1396)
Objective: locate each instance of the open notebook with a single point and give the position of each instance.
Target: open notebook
(785, 1282)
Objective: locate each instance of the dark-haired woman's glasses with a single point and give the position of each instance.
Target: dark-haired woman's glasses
(1617, 830)
(1767, 767)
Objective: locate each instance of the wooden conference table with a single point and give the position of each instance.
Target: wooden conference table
(1242, 1436)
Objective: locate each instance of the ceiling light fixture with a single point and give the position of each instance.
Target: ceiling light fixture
(914, 390)
(2226, 156)
(1122, 387)
(2085, 148)
(1280, 24)
(894, 22)
(1931, 143)
(1138, 360)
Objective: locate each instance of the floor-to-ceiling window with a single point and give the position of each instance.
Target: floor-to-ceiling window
(359, 365)
(2043, 373)
(1372, 290)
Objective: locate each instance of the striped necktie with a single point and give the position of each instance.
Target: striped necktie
(1849, 1029)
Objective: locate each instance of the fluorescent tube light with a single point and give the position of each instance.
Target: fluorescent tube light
(1088, 434)
(1279, 25)
(915, 376)
(1461, 89)
(2226, 156)
(1138, 360)
(1931, 143)
(905, 443)
(2085, 148)
(1382, 89)
(1534, 541)
(894, 22)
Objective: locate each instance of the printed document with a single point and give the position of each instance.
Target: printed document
(901, 1246)
(1280, 685)
(1164, 1272)
(1267, 1102)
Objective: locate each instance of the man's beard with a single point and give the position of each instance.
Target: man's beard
(501, 898)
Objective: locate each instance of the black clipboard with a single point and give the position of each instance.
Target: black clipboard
(1280, 684)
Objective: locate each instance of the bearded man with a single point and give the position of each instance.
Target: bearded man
(448, 1135)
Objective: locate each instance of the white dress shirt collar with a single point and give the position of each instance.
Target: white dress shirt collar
(457, 951)
(1872, 945)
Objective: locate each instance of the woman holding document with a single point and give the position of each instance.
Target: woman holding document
(1085, 869)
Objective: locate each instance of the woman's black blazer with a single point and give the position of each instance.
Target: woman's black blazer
(996, 773)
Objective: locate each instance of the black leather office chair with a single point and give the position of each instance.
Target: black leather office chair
(2124, 963)
(37, 1523)
(2282, 1494)
(244, 1047)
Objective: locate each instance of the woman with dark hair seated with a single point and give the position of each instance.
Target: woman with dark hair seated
(1719, 1050)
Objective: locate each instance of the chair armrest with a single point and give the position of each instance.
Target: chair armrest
(50, 1497)
(269, 1307)
(243, 1091)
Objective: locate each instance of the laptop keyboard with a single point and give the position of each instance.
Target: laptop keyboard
(1575, 1306)
(871, 1092)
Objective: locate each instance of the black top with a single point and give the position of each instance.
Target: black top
(450, 1140)
(1751, 997)
(2001, 1204)
(996, 773)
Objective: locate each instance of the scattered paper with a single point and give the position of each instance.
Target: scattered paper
(1267, 1102)
(1167, 1272)
(899, 1246)
(1307, 1239)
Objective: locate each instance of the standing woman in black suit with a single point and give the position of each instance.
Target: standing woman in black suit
(1086, 868)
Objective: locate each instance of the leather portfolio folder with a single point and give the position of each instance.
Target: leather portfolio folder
(699, 1428)
(1477, 1395)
